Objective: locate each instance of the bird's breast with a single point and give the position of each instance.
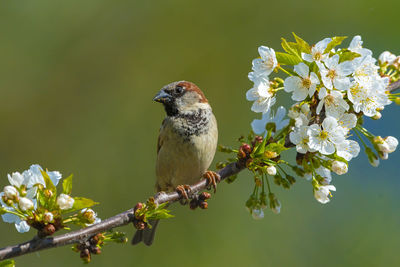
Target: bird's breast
(186, 152)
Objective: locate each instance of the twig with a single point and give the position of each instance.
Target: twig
(118, 220)
(394, 86)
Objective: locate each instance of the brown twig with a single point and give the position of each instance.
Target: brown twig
(118, 220)
(121, 219)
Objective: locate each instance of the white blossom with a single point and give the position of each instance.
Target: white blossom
(348, 149)
(261, 94)
(324, 139)
(317, 51)
(368, 97)
(300, 138)
(302, 86)
(333, 101)
(258, 126)
(65, 202)
(325, 173)
(387, 58)
(322, 192)
(347, 121)
(334, 75)
(356, 46)
(339, 167)
(267, 63)
(48, 217)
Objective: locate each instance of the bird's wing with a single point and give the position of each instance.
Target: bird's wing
(160, 136)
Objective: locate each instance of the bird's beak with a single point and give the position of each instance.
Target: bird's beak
(162, 97)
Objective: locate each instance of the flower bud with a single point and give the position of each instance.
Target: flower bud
(138, 206)
(65, 202)
(49, 229)
(89, 215)
(10, 192)
(387, 58)
(48, 217)
(203, 205)
(95, 250)
(372, 157)
(291, 179)
(204, 196)
(275, 204)
(193, 204)
(271, 170)
(339, 167)
(377, 116)
(85, 255)
(25, 204)
(257, 213)
(388, 145)
(246, 148)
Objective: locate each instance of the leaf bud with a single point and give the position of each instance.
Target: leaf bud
(204, 196)
(203, 205)
(193, 204)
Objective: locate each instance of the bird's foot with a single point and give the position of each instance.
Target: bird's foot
(212, 179)
(184, 191)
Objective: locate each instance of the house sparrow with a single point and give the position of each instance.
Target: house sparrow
(186, 144)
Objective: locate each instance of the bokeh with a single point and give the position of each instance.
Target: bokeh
(77, 80)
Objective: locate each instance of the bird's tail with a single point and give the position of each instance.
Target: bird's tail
(147, 235)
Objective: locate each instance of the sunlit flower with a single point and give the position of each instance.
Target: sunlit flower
(348, 149)
(271, 170)
(347, 121)
(356, 46)
(388, 144)
(339, 167)
(324, 139)
(322, 192)
(300, 138)
(261, 94)
(258, 126)
(302, 86)
(334, 75)
(333, 101)
(317, 51)
(267, 63)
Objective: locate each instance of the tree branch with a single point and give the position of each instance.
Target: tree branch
(394, 86)
(118, 220)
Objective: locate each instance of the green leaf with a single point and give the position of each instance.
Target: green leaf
(67, 185)
(337, 40)
(347, 55)
(290, 48)
(7, 263)
(81, 203)
(287, 59)
(303, 46)
(314, 67)
(276, 147)
(260, 148)
(48, 182)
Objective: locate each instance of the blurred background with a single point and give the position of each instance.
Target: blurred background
(77, 80)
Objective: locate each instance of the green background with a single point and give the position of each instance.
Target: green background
(77, 80)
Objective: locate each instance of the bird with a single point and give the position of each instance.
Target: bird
(186, 144)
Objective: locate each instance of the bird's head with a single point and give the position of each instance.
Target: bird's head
(181, 97)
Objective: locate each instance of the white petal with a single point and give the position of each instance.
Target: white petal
(258, 126)
(307, 57)
(322, 93)
(22, 227)
(302, 69)
(292, 83)
(327, 148)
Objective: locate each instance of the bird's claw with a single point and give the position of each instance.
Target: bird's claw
(212, 179)
(184, 191)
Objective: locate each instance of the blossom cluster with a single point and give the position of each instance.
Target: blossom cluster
(31, 200)
(333, 89)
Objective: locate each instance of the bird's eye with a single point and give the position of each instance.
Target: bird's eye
(179, 89)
